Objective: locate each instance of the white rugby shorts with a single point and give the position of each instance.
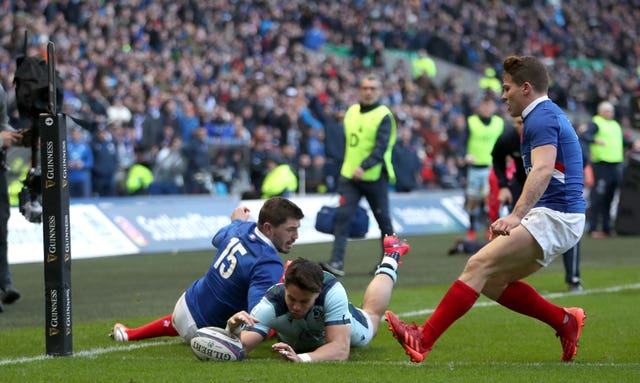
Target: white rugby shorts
(555, 232)
(361, 335)
(182, 320)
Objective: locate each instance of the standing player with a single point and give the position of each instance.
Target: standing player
(312, 315)
(547, 220)
(245, 266)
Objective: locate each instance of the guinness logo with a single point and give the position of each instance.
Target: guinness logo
(51, 257)
(53, 331)
(49, 184)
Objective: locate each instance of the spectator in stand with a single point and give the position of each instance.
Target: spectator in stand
(79, 162)
(247, 68)
(140, 175)
(170, 113)
(490, 82)
(196, 153)
(169, 168)
(280, 179)
(118, 112)
(314, 37)
(423, 66)
(189, 121)
(333, 134)
(124, 140)
(151, 125)
(313, 173)
(405, 157)
(105, 163)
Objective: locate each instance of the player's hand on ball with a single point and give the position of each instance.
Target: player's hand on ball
(238, 319)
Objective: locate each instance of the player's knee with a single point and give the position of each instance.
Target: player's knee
(476, 264)
(493, 288)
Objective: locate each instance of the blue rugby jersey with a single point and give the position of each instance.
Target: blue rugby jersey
(548, 124)
(245, 266)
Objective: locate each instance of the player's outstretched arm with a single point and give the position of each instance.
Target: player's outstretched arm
(338, 341)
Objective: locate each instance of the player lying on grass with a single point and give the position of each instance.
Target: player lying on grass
(245, 266)
(312, 315)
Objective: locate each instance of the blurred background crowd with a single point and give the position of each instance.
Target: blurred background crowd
(209, 96)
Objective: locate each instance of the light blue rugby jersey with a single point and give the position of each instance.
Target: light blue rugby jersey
(332, 307)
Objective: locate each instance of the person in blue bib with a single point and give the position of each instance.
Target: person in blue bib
(547, 220)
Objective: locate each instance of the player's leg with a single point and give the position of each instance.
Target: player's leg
(596, 197)
(499, 255)
(377, 195)
(506, 258)
(378, 294)
(477, 184)
(571, 260)
(160, 327)
(499, 269)
(182, 320)
(553, 233)
(377, 298)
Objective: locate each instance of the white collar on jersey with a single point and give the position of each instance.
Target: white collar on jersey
(533, 104)
(263, 237)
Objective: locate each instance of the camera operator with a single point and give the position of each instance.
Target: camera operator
(8, 137)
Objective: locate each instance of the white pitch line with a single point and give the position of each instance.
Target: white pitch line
(89, 353)
(134, 346)
(613, 289)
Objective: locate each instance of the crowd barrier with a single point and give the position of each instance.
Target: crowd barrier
(160, 224)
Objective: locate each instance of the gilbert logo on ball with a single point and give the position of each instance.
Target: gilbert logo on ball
(215, 344)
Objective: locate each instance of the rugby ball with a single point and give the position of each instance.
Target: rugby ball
(215, 343)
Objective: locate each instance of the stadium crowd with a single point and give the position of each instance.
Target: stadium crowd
(197, 95)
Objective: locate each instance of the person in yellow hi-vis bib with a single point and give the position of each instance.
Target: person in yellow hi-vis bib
(483, 129)
(607, 145)
(370, 134)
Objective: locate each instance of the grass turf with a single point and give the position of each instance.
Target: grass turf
(488, 344)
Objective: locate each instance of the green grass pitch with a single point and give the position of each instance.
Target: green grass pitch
(489, 344)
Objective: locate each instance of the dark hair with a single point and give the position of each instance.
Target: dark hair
(527, 69)
(277, 210)
(304, 274)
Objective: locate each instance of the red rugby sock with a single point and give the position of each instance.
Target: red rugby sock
(456, 302)
(524, 299)
(159, 327)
